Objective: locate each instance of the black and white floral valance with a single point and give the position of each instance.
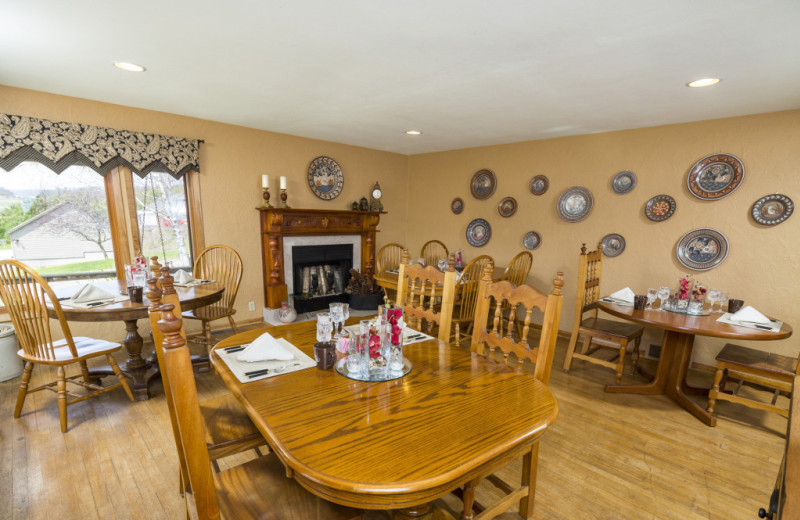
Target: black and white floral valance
(59, 145)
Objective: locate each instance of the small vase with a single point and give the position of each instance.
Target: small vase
(286, 314)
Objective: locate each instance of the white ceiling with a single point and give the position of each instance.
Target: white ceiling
(464, 72)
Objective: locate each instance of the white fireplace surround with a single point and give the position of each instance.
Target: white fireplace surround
(317, 240)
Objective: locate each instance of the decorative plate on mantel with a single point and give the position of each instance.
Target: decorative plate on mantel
(715, 176)
(325, 178)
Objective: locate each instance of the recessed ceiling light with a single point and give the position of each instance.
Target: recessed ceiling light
(413, 132)
(130, 67)
(705, 82)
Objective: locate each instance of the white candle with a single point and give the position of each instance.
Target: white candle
(283, 182)
(265, 181)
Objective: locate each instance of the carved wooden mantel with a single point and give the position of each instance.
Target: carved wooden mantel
(277, 223)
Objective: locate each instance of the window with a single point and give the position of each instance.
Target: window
(81, 225)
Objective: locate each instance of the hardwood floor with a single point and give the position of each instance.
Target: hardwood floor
(608, 456)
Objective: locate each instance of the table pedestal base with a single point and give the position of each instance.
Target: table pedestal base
(670, 379)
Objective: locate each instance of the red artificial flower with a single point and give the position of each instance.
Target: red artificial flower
(374, 346)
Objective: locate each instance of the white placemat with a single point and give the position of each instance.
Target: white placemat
(89, 305)
(193, 283)
(773, 326)
(622, 303)
(410, 336)
(275, 367)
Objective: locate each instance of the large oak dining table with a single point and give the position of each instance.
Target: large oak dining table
(388, 279)
(395, 444)
(676, 351)
(137, 368)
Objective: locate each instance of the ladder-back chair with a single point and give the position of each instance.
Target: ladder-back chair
(517, 273)
(258, 489)
(26, 296)
(602, 333)
(421, 289)
(467, 290)
(433, 251)
(388, 259)
(229, 429)
(486, 341)
(223, 265)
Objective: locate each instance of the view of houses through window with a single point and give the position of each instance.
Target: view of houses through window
(59, 223)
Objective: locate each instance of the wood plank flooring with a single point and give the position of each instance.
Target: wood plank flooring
(608, 456)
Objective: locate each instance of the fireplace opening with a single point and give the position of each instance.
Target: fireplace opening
(320, 274)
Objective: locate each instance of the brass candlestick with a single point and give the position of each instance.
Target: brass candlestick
(265, 194)
(283, 198)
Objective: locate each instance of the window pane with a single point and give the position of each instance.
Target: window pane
(163, 220)
(56, 223)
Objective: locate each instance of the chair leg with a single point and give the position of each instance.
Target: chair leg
(573, 342)
(635, 355)
(468, 498)
(23, 388)
(124, 382)
(623, 349)
(62, 398)
(233, 325)
(530, 463)
(714, 391)
(85, 372)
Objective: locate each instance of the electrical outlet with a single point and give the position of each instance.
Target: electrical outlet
(251, 306)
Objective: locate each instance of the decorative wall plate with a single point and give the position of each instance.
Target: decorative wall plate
(483, 184)
(539, 185)
(457, 205)
(478, 232)
(715, 176)
(325, 178)
(623, 182)
(660, 208)
(702, 249)
(531, 240)
(507, 207)
(575, 204)
(613, 245)
(773, 209)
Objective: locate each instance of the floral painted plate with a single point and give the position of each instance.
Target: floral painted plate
(772, 209)
(660, 208)
(483, 184)
(623, 182)
(539, 185)
(325, 178)
(613, 245)
(478, 232)
(702, 249)
(715, 176)
(531, 240)
(507, 207)
(457, 205)
(574, 204)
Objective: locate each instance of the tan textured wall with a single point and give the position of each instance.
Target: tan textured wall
(232, 160)
(762, 266)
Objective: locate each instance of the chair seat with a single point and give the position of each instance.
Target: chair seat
(767, 361)
(226, 420)
(86, 347)
(613, 328)
(241, 495)
(208, 313)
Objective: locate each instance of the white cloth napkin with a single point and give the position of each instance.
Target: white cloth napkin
(625, 295)
(265, 348)
(91, 293)
(750, 314)
(182, 277)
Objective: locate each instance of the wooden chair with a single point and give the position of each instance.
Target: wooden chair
(258, 489)
(223, 265)
(388, 259)
(425, 293)
(467, 289)
(753, 366)
(607, 334)
(486, 342)
(517, 272)
(433, 251)
(228, 428)
(26, 295)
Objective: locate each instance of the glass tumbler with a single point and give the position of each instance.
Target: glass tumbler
(324, 326)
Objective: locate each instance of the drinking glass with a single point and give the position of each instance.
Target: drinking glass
(337, 317)
(714, 295)
(324, 326)
(652, 294)
(723, 300)
(663, 295)
(358, 341)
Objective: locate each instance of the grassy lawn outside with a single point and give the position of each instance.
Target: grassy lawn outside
(106, 264)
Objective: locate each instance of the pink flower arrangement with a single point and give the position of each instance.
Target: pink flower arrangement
(394, 316)
(685, 287)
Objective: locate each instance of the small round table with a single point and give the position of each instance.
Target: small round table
(676, 351)
(140, 370)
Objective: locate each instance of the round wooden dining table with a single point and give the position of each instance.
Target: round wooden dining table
(676, 351)
(137, 368)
